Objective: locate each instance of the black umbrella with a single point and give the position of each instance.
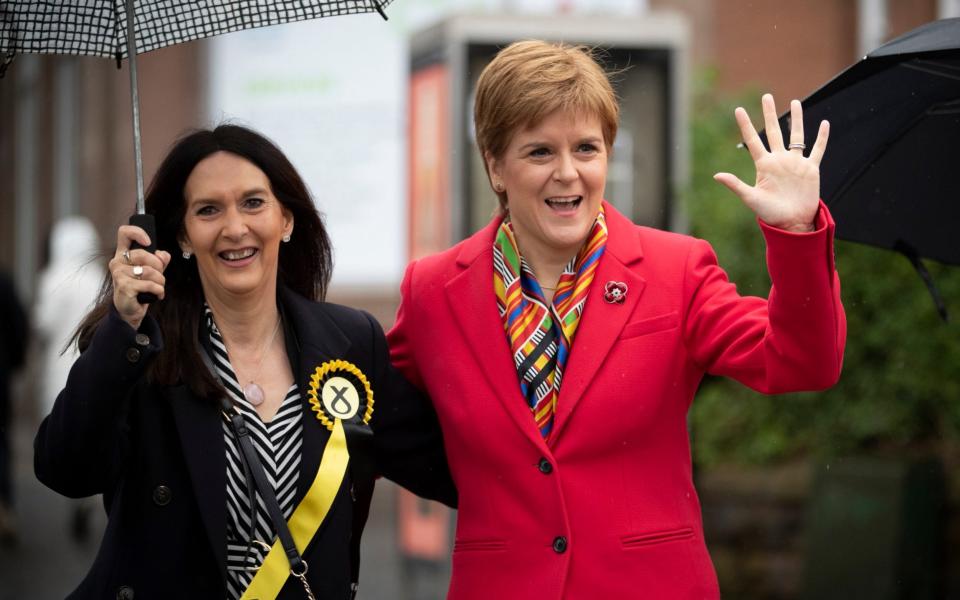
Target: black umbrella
(891, 174)
(104, 28)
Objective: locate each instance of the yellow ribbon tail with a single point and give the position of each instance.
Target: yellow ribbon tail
(306, 519)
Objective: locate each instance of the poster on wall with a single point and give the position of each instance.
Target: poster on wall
(329, 94)
(429, 214)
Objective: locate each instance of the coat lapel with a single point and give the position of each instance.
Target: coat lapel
(472, 300)
(602, 322)
(316, 339)
(201, 436)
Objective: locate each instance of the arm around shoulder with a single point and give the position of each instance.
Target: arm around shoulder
(407, 435)
(398, 338)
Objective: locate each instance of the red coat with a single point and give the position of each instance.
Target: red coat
(608, 508)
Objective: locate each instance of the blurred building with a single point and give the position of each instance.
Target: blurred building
(65, 141)
(793, 48)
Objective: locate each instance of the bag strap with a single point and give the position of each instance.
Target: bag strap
(252, 459)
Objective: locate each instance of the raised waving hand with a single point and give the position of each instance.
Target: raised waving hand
(787, 191)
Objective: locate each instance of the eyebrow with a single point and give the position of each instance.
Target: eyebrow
(536, 143)
(532, 145)
(246, 194)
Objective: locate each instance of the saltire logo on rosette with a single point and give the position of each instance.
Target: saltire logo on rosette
(339, 390)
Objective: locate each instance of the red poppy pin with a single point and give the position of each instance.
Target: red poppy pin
(615, 292)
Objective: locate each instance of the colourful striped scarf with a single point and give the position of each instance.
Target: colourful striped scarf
(541, 337)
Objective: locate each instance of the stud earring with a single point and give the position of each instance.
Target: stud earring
(187, 254)
(498, 186)
(286, 238)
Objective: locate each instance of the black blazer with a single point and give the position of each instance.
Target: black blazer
(157, 455)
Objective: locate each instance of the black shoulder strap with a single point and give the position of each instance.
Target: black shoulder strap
(242, 434)
(253, 467)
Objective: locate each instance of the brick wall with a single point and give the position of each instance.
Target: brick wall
(787, 48)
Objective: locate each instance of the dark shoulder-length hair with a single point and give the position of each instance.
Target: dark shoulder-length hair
(305, 262)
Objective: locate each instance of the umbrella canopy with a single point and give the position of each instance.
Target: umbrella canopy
(890, 173)
(98, 28)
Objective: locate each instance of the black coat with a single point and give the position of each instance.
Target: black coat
(157, 454)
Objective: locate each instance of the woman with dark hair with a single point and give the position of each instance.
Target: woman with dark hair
(231, 424)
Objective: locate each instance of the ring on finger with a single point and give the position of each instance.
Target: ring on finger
(138, 271)
(797, 146)
(126, 257)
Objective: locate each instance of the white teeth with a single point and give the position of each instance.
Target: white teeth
(238, 254)
(564, 202)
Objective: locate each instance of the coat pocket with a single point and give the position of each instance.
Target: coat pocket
(651, 325)
(656, 537)
(478, 545)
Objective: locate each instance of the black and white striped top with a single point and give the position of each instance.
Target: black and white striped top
(278, 445)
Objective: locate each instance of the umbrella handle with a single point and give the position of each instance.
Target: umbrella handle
(148, 224)
(914, 257)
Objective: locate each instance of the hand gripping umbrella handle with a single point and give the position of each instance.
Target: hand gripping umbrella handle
(148, 224)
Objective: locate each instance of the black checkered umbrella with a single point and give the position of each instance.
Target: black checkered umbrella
(101, 28)
(98, 27)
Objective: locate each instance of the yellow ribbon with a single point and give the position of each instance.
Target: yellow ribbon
(306, 518)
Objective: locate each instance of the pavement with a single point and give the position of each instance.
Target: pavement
(47, 563)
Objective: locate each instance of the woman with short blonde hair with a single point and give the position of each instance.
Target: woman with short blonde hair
(530, 80)
(562, 344)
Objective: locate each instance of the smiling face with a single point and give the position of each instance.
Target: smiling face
(234, 226)
(554, 175)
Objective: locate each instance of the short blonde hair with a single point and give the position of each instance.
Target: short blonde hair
(527, 81)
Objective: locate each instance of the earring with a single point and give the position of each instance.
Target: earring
(286, 238)
(187, 254)
(498, 186)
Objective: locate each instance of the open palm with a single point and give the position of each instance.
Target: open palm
(787, 190)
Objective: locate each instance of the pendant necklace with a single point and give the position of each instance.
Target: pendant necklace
(252, 391)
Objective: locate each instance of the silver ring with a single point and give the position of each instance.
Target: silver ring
(138, 271)
(797, 146)
(126, 257)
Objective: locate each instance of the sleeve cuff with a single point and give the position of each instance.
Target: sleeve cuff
(823, 226)
(134, 348)
(821, 222)
(785, 246)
